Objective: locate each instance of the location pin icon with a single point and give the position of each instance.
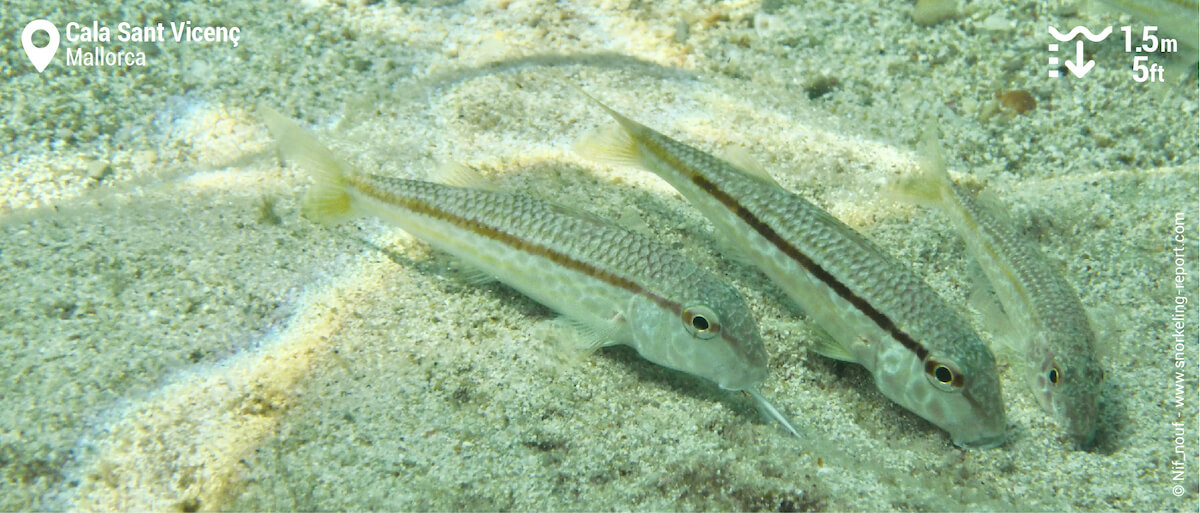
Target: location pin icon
(40, 57)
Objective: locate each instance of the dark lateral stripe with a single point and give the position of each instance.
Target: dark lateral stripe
(364, 184)
(771, 235)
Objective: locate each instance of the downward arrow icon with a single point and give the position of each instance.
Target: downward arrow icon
(1078, 67)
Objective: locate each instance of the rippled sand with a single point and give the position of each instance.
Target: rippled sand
(177, 337)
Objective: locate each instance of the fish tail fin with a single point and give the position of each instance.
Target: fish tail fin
(931, 184)
(624, 120)
(327, 201)
(616, 145)
(770, 410)
(610, 144)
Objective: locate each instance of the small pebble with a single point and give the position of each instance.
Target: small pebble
(1018, 100)
(997, 22)
(98, 170)
(932, 12)
(682, 31)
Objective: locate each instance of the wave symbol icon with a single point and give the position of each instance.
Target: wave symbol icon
(1095, 38)
(1078, 67)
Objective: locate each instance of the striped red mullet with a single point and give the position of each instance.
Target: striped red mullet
(622, 288)
(876, 311)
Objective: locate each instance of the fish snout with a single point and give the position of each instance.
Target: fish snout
(741, 377)
(1083, 431)
(986, 430)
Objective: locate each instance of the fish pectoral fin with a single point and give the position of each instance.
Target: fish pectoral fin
(469, 274)
(828, 347)
(734, 249)
(610, 144)
(594, 337)
(741, 159)
(561, 342)
(1107, 323)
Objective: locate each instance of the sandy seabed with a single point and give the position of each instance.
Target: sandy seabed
(177, 337)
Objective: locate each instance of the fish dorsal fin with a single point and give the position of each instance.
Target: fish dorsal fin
(990, 203)
(457, 174)
(555, 205)
(1006, 336)
(741, 159)
(930, 185)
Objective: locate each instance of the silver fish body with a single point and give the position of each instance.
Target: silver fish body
(878, 313)
(631, 288)
(1055, 343)
(622, 287)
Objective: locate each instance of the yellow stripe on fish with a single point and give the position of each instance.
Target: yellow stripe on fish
(621, 287)
(877, 312)
(1056, 341)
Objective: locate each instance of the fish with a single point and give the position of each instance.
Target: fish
(617, 286)
(875, 311)
(1054, 340)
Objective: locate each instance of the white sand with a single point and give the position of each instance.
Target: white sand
(172, 343)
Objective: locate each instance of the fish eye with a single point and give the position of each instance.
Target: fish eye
(701, 322)
(1054, 375)
(943, 375)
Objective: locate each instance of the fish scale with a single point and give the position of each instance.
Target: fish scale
(876, 311)
(621, 287)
